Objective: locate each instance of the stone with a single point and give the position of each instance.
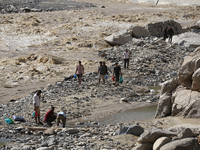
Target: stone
(188, 39)
(181, 127)
(187, 132)
(138, 31)
(49, 131)
(196, 80)
(72, 131)
(192, 110)
(155, 29)
(43, 148)
(151, 135)
(135, 130)
(119, 38)
(182, 99)
(51, 141)
(190, 64)
(160, 142)
(182, 144)
(164, 106)
(143, 146)
(169, 86)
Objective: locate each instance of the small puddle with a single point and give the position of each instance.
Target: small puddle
(138, 114)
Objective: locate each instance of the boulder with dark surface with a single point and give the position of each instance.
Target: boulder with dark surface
(156, 29)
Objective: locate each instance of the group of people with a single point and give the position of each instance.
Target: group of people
(50, 115)
(168, 33)
(103, 70)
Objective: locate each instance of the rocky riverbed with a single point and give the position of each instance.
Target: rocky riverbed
(41, 50)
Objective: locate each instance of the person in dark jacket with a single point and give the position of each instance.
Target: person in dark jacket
(170, 33)
(165, 34)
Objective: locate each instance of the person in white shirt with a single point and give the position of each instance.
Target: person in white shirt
(126, 58)
(61, 116)
(36, 103)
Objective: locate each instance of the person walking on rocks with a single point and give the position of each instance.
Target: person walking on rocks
(36, 103)
(101, 72)
(61, 117)
(126, 58)
(165, 34)
(117, 72)
(50, 116)
(170, 33)
(79, 71)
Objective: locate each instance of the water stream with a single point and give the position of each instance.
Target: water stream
(138, 114)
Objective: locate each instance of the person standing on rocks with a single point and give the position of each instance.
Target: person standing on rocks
(79, 71)
(36, 103)
(61, 117)
(104, 64)
(50, 116)
(117, 72)
(165, 34)
(170, 33)
(101, 72)
(126, 58)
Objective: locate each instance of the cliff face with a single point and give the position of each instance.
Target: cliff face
(161, 2)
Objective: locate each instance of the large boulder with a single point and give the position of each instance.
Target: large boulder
(150, 136)
(138, 31)
(190, 64)
(164, 104)
(182, 144)
(181, 98)
(192, 110)
(119, 38)
(196, 80)
(156, 29)
(188, 39)
(160, 142)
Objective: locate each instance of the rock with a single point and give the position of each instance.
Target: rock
(135, 130)
(186, 133)
(182, 144)
(138, 31)
(124, 100)
(196, 80)
(72, 131)
(143, 146)
(169, 86)
(160, 142)
(49, 131)
(188, 39)
(192, 110)
(164, 106)
(181, 127)
(51, 141)
(190, 64)
(155, 29)
(150, 136)
(181, 99)
(119, 38)
(43, 148)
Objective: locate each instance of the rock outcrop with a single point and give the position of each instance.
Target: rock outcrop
(181, 96)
